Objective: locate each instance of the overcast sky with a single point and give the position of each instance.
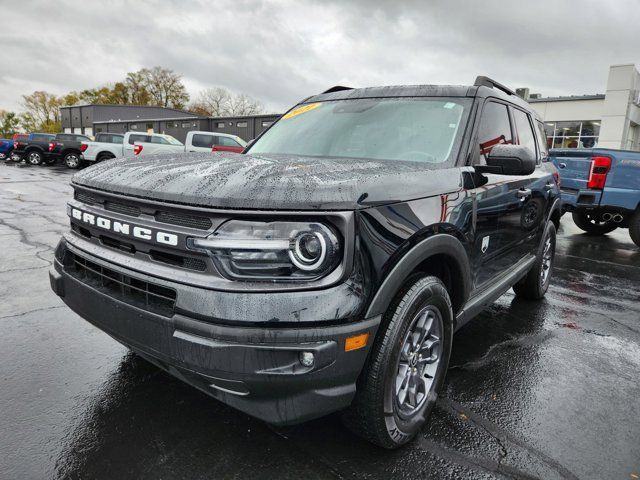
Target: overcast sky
(281, 51)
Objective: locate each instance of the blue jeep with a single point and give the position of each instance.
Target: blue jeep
(601, 188)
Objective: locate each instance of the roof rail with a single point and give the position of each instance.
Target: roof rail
(482, 81)
(337, 88)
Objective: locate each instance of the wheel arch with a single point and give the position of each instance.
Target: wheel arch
(555, 213)
(441, 255)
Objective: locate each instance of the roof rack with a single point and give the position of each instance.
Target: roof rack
(337, 88)
(482, 81)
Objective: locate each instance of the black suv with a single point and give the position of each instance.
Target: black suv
(328, 266)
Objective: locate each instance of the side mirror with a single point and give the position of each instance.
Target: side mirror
(508, 159)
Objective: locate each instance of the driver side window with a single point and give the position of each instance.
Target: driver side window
(494, 129)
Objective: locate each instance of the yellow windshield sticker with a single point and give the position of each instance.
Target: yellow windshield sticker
(302, 109)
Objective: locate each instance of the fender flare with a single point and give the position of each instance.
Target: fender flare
(435, 245)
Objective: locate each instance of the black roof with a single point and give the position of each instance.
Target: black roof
(420, 91)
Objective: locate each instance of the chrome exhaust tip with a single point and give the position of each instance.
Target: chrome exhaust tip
(607, 217)
(618, 218)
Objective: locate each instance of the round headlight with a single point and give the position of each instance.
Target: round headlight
(308, 251)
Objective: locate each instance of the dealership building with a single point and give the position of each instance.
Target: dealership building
(609, 120)
(94, 119)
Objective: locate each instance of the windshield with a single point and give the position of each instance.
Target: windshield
(171, 140)
(423, 129)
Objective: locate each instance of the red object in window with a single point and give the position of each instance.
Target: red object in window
(137, 149)
(556, 177)
(598, 175)
(52, 145)
(83, 147)
(222, 148)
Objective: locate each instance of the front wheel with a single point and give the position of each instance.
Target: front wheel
(34, 158)
(536, 283)
(399, 385)
(592, 223)
(72, 160)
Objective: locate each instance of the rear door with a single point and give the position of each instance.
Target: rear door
(201, 142)
(529, 194)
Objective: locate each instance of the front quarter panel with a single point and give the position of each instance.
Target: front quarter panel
(392, 234)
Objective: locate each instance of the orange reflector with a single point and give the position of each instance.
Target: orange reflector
(356, 342)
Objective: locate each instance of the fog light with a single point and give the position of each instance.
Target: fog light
(306, 359)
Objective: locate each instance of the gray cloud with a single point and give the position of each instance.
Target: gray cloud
(282, 51)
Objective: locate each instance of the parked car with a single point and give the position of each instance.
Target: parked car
(601, 189)
(6, 147)
(215, 142)
(66, 147)
(18, 140)
(328, 267)
(111, 145)
(34, 148)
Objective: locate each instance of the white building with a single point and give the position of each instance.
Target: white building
(610, 120)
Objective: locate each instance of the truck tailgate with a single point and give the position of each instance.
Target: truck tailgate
(575, 167)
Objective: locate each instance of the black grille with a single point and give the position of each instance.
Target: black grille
(133, 291)
(178, 260)
(122, 208)
(191, 221)
(86, 198)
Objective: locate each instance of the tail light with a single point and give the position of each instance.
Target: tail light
(137, 149)
(83, 147)
(52, 145)
(556, 178)
(598, 175)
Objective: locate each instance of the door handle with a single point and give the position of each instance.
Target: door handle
(548, 186)
(523, 193)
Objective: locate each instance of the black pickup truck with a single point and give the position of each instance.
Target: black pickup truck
(34, 148)
(328, 267)
(67, 147)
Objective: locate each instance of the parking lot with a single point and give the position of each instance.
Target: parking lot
(535, 390)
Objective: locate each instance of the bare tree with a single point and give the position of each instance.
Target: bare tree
(213, 102)
(219, 102)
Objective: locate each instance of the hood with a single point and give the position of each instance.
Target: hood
(278, 182)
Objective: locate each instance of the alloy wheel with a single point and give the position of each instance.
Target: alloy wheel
(419, 360)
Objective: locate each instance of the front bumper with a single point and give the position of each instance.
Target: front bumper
(255, 369)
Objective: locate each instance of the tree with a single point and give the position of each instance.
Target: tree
(213, 102)
(27, 122)
(9, 123)
(244, 105)
(165, 87)
(136, 85)
(219, 102)
(43, 110)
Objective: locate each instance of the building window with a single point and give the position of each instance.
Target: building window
(242, 124)
(575, 134)
(188, 124)
(220, 124)
(266, 123)
(133, 126)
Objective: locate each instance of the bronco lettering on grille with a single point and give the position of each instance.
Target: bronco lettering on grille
(124, 228)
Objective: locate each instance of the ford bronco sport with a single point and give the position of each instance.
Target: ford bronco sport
(328, 266)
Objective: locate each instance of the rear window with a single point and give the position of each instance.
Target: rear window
(203, 141)
(138, 138)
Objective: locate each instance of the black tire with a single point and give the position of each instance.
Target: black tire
(591, 223)
(536, 283)
(105, 156)
(72, 160)
(34, 157)
(634, 227)
(377, 388)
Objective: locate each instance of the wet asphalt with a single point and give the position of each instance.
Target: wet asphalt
(543, 390)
